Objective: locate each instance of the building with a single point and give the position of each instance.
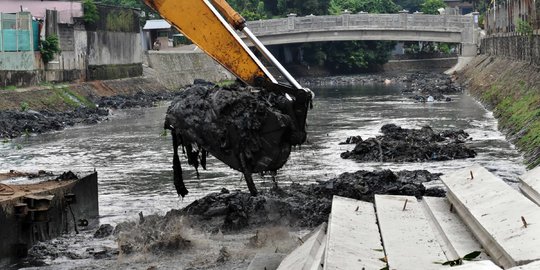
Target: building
(108, 48)
(160, 31)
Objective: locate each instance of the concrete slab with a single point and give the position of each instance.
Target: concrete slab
(318, 261)
(456, 237)
(353, 236)
(505, 222)
(530, 185)
(480, 265)
(530, 266)
(408, 239)
(266, 261)
(303, 257)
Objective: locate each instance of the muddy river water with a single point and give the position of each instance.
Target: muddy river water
(134, 161)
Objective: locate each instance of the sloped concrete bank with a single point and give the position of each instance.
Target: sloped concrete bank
(511, 89)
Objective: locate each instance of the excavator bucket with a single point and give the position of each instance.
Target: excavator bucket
(251, 130)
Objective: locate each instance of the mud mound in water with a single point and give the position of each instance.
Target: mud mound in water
(412, 145)
(14, 124)
(301, 205)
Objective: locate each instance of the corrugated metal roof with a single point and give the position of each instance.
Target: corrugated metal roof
(156, 24)
(66, 9)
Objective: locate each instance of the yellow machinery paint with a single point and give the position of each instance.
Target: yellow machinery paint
(201, 23)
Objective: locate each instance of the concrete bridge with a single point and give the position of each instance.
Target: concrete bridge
(364, 26)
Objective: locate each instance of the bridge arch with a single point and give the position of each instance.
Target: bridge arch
(393, 27)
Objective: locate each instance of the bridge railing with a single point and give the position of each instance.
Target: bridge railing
(363, 21)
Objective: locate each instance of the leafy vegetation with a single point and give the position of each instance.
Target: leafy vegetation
(432, 6)
(49, 47)
(24, 106)
(9, 88)
(90, 11)
(524, 28)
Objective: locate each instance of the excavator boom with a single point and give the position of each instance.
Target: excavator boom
(212, 25)
(202, 23)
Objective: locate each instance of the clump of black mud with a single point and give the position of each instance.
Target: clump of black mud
(423, 85)
(250, 129)
(14, 124)
(412, 145)
(301, 205)
(17, 123)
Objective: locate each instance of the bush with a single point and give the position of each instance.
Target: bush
(49, 47)
(90, 11)
(524, 28)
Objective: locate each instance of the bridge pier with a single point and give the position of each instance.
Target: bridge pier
(469, 49)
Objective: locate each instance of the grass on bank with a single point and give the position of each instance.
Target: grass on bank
(8, 88)
(518, 109)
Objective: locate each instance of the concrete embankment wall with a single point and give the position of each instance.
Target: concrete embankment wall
(174, 69)
(511, 88)
(114, 45)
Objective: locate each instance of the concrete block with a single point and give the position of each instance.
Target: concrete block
(456, 239)
(318, 261)
(480, 265)
(408, 239)
(304, 256)
(530, 266)
(505, 222)
(353, 236)
(530, 185)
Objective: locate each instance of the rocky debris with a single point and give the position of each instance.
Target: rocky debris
(431, 86)
(352, 140)
(412, 145)
(138, 100)
(103, 231)
(249, 129)
(69, 175)
(69, 247)
(301, 205)
(349, 80)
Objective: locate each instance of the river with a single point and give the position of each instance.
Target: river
(134, 161)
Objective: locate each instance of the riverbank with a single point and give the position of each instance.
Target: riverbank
(511, 89)
(54, 107)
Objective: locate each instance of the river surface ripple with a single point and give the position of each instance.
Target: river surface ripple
(135, 167)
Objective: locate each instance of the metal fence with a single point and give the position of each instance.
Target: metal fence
(16, 32)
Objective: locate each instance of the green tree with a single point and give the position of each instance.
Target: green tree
(432, 6)
(410, 5)
(49, 47)
(354, 6)
(90, 11)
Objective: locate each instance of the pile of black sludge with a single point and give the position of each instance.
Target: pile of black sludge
(412, 145)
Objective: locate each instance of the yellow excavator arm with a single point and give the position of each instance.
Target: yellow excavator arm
(202, 23)
(212, 26)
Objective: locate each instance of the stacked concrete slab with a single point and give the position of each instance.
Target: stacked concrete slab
(530, 185)
(309, 255)
(353, 236)
(481, 214)
(505, 222)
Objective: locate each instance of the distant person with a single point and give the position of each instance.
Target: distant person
(157, 45)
